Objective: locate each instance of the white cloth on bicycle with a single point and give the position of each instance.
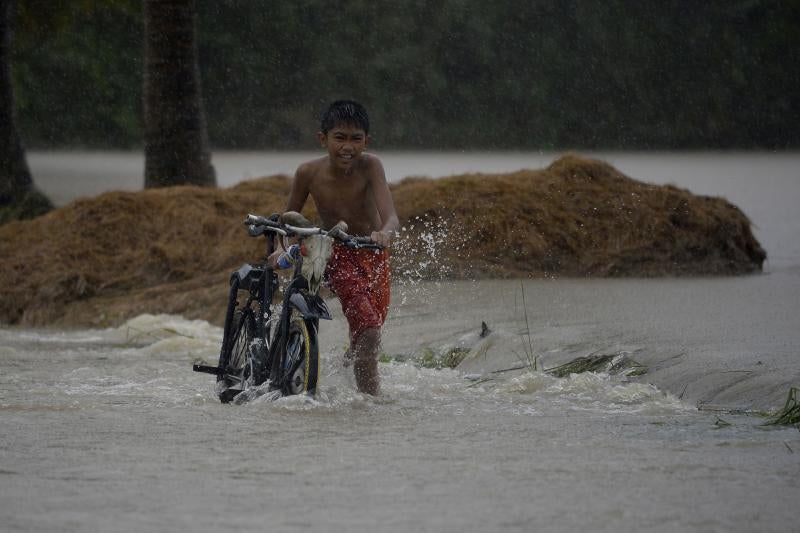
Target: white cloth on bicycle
(318, 251)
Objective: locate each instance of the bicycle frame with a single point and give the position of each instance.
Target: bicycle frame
(261, 282)
(267, 348)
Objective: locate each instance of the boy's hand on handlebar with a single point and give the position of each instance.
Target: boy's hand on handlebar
(382, 238)
(339, 230)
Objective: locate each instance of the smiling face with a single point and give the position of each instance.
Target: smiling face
(345, 144)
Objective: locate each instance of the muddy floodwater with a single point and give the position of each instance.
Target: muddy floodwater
(109, 430)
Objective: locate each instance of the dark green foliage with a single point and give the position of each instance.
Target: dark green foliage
(441, 74)
(78, 73)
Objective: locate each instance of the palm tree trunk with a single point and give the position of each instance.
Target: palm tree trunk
(14, 174)
(18, 197)
(176, 140)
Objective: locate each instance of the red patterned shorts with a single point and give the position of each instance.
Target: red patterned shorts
(361, 280)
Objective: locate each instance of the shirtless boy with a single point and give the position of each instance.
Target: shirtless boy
(349, 185)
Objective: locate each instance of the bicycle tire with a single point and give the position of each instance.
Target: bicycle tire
(228, 330)
(236, 357)
(239, 366)
(228, 327)
(300, 357)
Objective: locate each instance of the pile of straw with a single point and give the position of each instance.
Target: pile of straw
(579, 217)
(101, 260)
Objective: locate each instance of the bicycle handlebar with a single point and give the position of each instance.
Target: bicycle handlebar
(258, 224)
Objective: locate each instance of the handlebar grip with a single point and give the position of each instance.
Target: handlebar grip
(252, 220)
(256, 220)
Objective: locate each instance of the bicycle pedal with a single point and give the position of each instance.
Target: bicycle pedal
(207, 369)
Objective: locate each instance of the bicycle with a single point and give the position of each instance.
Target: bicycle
(261, 346)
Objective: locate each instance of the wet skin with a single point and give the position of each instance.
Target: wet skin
(347, 185)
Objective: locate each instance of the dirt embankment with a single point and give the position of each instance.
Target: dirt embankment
(101, 260)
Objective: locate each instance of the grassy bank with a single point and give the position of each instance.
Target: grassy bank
(100, 260)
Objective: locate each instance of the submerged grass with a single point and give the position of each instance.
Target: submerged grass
(429, 358)
(617, 363)
(790, 414)
(720, 423)
(529, 359)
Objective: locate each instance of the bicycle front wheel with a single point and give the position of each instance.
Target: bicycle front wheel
(301, 357)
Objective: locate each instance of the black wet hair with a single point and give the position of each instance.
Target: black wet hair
(344, 112)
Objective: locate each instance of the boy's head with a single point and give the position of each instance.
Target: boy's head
(345, 113)
(344, 133)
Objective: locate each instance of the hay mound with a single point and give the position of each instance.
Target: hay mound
(578, 217)
(101, 260)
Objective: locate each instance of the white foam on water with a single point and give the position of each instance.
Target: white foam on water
(149, 357)
(401, 382)
(146, 360)
(171, 337)
(63, 337)
(187, 347)
(592, 391)
(442, 390)
(160, 333)
(147, 329)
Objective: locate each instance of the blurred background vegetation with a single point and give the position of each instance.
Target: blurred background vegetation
(435, 74)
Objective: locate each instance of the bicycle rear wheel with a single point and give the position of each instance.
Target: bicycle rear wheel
(301, 357)
(236, 355)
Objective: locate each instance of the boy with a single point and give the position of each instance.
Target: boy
(349, 185)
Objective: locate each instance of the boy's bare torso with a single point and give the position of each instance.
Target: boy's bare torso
(341, 195)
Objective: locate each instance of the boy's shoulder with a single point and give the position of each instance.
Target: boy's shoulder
(371, 161)
(312, 166)
(369, 164)
(321, 166)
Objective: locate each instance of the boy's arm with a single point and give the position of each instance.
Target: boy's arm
(297, 199)
(300, 189)
(383, 200)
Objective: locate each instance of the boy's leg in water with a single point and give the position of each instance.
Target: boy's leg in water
(365, 366)
(361, 281)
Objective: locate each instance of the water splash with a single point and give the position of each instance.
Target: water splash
(419, 253)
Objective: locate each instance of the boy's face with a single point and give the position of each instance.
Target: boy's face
(345, 143)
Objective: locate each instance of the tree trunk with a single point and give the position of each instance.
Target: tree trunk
(18, 197)
(176, 140)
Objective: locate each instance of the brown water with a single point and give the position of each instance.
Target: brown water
(109, 430)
